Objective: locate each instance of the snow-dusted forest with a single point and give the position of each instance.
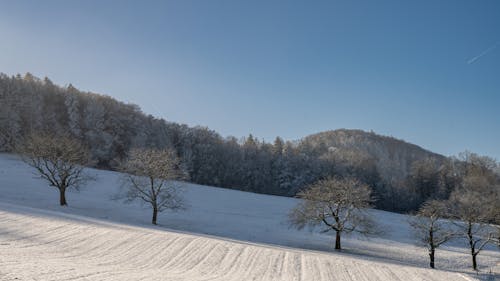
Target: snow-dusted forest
(54, 138)
(249, 140)
(402, 175)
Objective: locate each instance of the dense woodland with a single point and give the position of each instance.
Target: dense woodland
(402, 175)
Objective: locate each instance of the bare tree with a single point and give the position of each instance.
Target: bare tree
(496, 217)
(429, 227)
(152, 177)
(496, 235)
(336, 203)
(58, 160)
(473, 210)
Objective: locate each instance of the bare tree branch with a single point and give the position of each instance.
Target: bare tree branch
(58, 160)
(430, 228)
(151, 178)
(336, 203)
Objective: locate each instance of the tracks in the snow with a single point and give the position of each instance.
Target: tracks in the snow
(37, 246)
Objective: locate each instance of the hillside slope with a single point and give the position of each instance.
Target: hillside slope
(393, 157)
(44, 245)
(97, 238)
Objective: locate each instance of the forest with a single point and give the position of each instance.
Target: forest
(402, 175)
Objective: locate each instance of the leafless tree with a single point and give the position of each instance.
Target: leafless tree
(430, 228)
(496, 220)
(496, 235)
(152, 177)
(472, 209)
(58, 160)
(336, 203)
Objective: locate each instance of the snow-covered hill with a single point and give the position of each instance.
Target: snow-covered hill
(223, 235)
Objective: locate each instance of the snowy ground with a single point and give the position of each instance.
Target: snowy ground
(223, 235)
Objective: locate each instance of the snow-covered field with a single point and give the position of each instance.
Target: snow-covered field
(223, 235)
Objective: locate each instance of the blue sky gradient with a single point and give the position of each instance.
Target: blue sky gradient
(427, 72)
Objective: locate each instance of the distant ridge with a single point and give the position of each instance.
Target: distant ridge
(393, 157)
(110, 128)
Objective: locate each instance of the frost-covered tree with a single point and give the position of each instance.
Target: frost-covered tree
(475, 201)
(471, 209)
(11, 112)
(58, 160)
(73, 109)
(338, 204)
(496, 235)
(430, 228)
(152, 177)
(203, 155)
(96, 134)
(424, 179)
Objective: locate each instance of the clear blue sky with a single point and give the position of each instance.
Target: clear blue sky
(424, 71)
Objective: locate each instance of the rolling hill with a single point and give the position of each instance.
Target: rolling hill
(393, 157)
(223, 235)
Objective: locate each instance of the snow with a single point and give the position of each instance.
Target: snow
(223, 235)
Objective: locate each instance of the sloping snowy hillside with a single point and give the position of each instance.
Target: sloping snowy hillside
(97, 238)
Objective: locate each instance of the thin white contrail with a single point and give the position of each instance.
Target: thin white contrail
(483, 53)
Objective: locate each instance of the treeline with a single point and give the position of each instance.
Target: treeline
(472, 203)
(111, 129)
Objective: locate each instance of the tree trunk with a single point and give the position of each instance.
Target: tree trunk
(472, 246)
(431, 256)
(432, 248)
(154, 196)
(62, 197)
(337, 241)
(155, 215)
